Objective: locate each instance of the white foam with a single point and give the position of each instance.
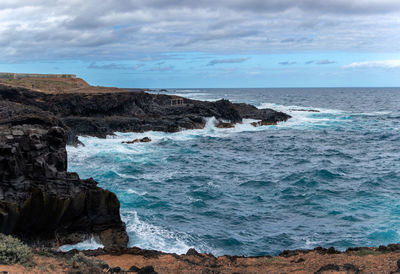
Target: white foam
(89, 244)
(149, 236)
(374, 113)
(303, 119)
(132, 191)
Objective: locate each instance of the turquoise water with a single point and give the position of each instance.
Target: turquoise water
(321, 179)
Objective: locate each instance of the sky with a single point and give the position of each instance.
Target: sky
(205, 43)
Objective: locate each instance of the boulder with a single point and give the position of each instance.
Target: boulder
(143, 140)
(225, 125)
(263, 123)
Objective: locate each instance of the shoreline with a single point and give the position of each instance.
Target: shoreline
(51, 121)
(383, 259)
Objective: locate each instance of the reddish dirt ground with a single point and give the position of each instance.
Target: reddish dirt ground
(311, 262)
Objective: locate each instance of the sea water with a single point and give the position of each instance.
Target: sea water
(327, 178)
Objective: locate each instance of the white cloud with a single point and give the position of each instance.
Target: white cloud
(375, 64)
(134, 29)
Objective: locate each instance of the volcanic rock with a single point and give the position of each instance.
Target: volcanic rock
(143, 140)
(103, 114)
(40, 201)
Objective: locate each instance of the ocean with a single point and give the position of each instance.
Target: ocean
(327, 178)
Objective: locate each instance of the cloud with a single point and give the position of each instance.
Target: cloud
(324, 62)
(287, 63)
(297, 40)
(320, 62)
(122, 30)
(162, 68)
(375, 64)
(218, 35)
(227, 61)
(114, 66)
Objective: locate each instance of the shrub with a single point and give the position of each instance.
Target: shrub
(13, 251)
(86, 264)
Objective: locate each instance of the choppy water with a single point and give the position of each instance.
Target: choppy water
(321, 179)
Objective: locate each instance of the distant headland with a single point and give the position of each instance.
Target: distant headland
(12, 75)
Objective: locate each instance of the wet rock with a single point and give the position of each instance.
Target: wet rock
(41, 202)
(103, 114)
(193, 252)
(263, 123)
(143, 140)
(225, 125)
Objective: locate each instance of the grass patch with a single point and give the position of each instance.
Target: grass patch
(13, 251)
(86, 264)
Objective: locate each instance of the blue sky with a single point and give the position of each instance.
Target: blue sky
(178, 44)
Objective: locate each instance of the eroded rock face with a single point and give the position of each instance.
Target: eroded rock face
(103, 114)
(41, 202)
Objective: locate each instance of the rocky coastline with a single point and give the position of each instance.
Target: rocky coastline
(46, 206)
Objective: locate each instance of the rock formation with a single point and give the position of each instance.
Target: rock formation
(39, 200)
(143, 140)
(103, 114)
(43, 203)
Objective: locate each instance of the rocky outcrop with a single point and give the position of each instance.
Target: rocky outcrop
(39, 200)
(43, 203)
(142, 140)
(103, 114)
(267, 115)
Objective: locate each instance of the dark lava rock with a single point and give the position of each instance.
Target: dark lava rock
(143, 140)
(102, 114)
(193, 252)
(43, 203)
(263, 123)
(114, 270)
(147, 270)
(134, 268)
(225, 125)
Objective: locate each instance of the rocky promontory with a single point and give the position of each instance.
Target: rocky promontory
(42, 203)
(102, 114)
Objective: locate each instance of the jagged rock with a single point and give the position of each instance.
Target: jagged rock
(143, 140)
(103, 114)
(43, 203)
(225, 125)
(263, 123)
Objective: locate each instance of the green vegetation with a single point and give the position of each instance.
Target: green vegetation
(87, 265)
(13, 251)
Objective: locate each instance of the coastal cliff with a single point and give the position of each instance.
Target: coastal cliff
(103, 114)
(40, 202)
